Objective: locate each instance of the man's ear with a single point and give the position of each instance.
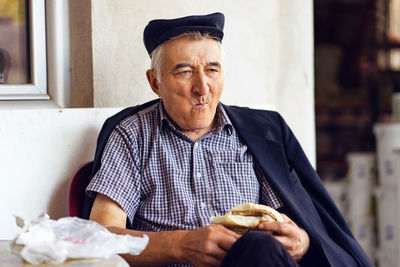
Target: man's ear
(151, 78)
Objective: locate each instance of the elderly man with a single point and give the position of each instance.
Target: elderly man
(165, 167)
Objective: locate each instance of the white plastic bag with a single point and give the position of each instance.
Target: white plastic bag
(54, 241)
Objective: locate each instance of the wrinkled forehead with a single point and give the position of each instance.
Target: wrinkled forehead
(186, 50)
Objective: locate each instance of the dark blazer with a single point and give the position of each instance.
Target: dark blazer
(288, 170)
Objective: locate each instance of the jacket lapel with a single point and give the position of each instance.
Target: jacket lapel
(267, 153)
(269, 156)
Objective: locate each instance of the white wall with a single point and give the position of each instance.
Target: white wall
(268, 63)
(39, 152)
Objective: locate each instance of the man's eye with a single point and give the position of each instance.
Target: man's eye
(213, 70)
(184, 73)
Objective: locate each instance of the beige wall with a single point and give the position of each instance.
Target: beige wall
(268, 63)
(40, 150)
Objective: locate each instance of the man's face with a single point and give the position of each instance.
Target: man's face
(191, 83)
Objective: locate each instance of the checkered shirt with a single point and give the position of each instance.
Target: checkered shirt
(163, 180)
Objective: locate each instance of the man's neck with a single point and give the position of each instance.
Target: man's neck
(197, 134)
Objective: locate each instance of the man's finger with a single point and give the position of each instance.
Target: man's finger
(230, 232)
(227, 239)
(218, 254)
(286, 218)
(278, 227)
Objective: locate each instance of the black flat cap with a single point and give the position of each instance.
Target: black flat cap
(161, 30)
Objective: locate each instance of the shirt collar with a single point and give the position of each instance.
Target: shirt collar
(222, 120)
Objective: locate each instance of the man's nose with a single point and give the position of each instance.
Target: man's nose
(200, 84)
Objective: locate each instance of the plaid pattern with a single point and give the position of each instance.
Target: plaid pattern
(165, 181)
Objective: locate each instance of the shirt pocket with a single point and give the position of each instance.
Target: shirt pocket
(235, 183)
(228, 156)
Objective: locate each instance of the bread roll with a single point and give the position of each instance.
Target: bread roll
(247, 216)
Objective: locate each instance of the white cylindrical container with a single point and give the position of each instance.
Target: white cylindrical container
(337, 191)
(363, 231)
(387, 258)
(361, 177)
(387, 217)
(359, 203)
(361, 170)
(387, 140)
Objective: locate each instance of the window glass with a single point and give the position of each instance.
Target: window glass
(14, 42)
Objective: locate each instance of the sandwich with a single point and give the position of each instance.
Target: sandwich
(247, 216)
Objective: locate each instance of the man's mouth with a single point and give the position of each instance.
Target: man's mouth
(201, 104)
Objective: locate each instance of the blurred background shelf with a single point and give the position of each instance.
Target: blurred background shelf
(357, 75)
(356, 72)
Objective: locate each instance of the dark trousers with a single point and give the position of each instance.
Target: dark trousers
(258, 249)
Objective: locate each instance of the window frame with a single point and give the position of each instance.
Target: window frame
(37, 89)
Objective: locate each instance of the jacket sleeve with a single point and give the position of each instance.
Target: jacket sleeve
(309, 178)
(330, 215)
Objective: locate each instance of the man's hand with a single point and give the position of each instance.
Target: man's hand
(292, 237)
(206, 246)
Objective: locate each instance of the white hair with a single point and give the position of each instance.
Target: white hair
(158, 53)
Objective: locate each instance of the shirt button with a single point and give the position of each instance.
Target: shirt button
(196, 145)
(198, 175)
(202, 205)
